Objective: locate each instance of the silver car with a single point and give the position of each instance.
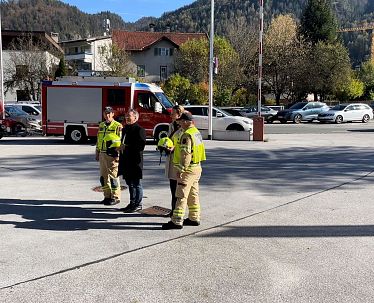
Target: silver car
(266, 112)
(347, 112)
(24, 120)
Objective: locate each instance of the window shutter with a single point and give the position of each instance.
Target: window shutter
(156, 51)
(171, 51)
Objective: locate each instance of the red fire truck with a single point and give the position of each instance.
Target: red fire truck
(73, 106)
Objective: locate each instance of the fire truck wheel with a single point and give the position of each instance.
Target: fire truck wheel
(75, 134)
(161, 132)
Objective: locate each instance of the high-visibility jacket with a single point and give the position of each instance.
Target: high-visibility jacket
(176, 138)
(198, 149)
(114, 128)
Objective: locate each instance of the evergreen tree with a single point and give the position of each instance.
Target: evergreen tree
(318, 22)
(61, 70)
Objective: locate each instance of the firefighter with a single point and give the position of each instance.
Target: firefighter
(188, 155)
(108, 141)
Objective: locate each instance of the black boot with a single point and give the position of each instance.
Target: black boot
(189, 222)
(171, 225)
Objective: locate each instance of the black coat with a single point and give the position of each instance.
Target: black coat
(131, 158)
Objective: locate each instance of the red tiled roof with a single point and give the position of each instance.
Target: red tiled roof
(138, 41)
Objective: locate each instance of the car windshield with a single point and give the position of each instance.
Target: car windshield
(339, 107)
(225, 112)
(12, 110)
(299, 105)
(164, 100)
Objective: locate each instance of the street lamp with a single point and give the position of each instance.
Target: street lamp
(211, 63)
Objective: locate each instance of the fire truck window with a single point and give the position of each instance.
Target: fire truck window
(116, 97)
(147, 101)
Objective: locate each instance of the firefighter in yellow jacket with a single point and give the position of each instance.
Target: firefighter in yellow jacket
(188, 155)
(108, 142)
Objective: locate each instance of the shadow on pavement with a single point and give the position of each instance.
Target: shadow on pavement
(293, 231)
(68, 216)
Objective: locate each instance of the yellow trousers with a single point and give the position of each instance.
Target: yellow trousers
(109, 180)
(187, 194)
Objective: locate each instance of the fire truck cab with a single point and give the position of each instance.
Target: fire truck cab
(73, 106)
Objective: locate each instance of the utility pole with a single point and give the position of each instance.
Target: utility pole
(211, 63)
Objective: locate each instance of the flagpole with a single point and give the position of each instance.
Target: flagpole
(2, 109)
(210, 121)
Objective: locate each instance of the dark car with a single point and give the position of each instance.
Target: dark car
(266, 112)
(233, 111)
(301, 111)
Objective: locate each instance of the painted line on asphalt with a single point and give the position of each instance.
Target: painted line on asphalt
(186, 235)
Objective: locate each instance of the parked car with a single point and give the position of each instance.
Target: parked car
(301, 111)
(235, 111)
(222, 120)
(24, 120)
(33, 109)
(266, 112)
(347, 112)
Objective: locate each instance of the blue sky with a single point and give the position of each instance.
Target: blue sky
(129, 10)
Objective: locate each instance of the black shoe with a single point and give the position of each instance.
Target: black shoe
(105, 200)
(171, 225)
(112, 202)
(131, 208)
(189, 222)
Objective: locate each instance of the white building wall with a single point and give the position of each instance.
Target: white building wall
(153, 63)
(10, 69)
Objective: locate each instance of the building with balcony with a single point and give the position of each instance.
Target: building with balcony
(83, 55)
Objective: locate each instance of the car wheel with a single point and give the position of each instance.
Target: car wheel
(297, 119)
(235, 127)
(161, 132)
(365, 118)
(339, 119)
(269, 119)
(75, 134)
(19, 128)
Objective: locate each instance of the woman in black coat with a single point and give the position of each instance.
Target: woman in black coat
(131, 159)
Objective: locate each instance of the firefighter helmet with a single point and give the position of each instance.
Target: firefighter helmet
(165, 143)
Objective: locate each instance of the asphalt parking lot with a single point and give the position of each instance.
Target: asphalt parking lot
(287, 220)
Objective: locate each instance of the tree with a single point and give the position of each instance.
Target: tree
(366, 75)
(244, 40)
(284, 54)
(61, 70)
(353, 89)
(318, 22)
(328, 69)
(115, 61)
(28, 64)
(192, 62)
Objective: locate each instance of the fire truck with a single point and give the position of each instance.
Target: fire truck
(72, 106)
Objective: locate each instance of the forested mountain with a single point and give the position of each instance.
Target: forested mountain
(55, 16)
(70, 22)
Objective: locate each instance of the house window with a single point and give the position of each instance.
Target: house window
(22, 95)
(140, 70)
(163, 73)
(163, 51)
(21, 70)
